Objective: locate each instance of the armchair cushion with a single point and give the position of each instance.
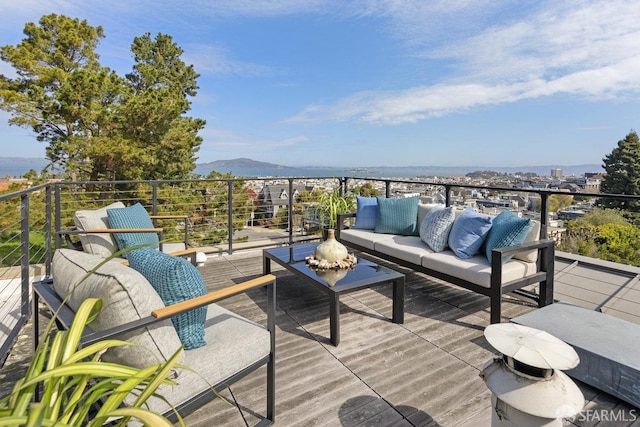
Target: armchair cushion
(134, 216)
(126, 296)
(175, 279)
(101, 244)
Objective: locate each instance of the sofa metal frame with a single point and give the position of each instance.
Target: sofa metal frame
(64, 315)
(544, 274)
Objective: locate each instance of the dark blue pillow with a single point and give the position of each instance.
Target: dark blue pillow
(397, 216)
(507, 230)
(468, 233)
(134, 216)
(175, 279)
(366, 212)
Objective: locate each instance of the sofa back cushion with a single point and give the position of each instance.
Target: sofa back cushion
(126, 296)
(397, 216)
(102, 244)
(533, 235)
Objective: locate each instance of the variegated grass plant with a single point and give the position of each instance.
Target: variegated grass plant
(68, 385)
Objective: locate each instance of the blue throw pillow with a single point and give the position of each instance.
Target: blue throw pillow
(134, 216)
(397, 216)
(436, 226)
(366, 212)
(507, 230)
(175, 279)
(468, 233)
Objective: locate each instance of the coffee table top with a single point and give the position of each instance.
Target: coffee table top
(364, 273)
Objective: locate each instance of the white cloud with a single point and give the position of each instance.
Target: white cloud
(581, 48)
(211, 59)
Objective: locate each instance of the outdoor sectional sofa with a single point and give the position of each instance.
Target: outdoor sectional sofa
(396, 230)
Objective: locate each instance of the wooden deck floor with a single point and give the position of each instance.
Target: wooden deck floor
(421, 373)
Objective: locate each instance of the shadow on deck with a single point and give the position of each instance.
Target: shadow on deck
(421, 373)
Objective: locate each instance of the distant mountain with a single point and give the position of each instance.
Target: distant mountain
(244, 163)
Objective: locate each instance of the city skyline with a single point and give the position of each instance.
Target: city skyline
(319, 82)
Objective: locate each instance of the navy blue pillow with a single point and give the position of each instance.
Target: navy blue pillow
(175, 279)
(366, 212)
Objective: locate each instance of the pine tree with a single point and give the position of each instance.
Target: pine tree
(622, 168)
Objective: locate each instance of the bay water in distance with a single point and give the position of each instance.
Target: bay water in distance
(17, 167)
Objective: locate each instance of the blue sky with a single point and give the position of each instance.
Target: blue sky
(382, 83)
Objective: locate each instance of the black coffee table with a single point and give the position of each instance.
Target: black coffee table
(365, 275)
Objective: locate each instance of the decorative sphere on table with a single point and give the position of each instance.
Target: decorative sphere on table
(331, 250)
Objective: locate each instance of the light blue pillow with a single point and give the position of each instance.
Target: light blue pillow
(468, 233)
(134, 216)
(435, 227)
(366, 212)
(175, 279)
(397, 216)
(507, 230)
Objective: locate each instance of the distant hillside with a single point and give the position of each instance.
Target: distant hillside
(240, 163)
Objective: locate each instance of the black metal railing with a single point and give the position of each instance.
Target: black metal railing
(225, 215)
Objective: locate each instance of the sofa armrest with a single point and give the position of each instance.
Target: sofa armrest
(342, 217)
(211, 297)
(544, 244)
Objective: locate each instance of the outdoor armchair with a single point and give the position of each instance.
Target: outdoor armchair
(133, 311)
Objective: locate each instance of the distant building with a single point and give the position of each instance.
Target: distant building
(556, 173)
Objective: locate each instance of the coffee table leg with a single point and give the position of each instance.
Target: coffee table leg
(334, 318)
(398, 301)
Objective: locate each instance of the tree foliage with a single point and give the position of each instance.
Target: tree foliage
(604, 234)
(622, 168)
(98, 125)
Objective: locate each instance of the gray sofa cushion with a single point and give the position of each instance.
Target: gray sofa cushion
(126, 296)
(365, 238)
(476, 269)
(532, 236)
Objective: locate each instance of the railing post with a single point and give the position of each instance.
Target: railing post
(154, 198)
(58, 219)
(290, 211)
(48, 253)
(25, 256)
(447, 195)
(230, 215)
(544, 206)
(387, 188)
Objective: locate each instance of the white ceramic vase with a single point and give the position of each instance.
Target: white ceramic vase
(331, 250)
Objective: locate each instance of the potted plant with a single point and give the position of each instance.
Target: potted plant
(331, 204)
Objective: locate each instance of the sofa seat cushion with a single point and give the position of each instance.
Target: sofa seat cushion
(126, 296)
(102, 244)
(476, 269)
(364, 238)
(407, 248)
(234, 344)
